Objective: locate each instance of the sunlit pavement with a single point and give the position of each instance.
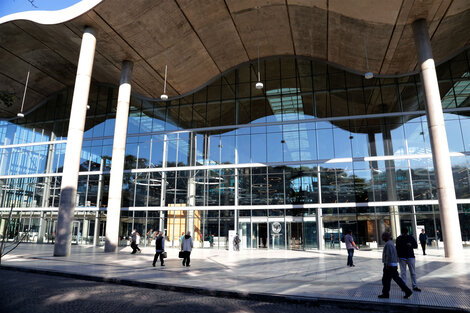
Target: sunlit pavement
(306, 275)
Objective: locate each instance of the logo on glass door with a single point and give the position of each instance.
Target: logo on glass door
(276, 227)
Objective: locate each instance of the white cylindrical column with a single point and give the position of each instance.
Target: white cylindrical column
(96, 229)
(440, 150)
(117, 161)
(68, 189)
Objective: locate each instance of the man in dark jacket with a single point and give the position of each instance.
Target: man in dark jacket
(159, 249)
(423, 239)
(405, 245)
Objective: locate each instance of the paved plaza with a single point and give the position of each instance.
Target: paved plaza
(305, 276)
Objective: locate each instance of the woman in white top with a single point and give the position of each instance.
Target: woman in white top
(186, 247)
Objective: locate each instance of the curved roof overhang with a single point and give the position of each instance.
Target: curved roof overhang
(201, 39)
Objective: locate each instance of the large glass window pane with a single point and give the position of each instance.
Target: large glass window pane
(342, 142)
(274, 146)
(461, 177)
(184, 149)
(421, 176)
(244, 186)
(258, 148)
(244, 148)
(454, 136)
(325, 141)
(291, 145)
(227, 149)
(157, 151)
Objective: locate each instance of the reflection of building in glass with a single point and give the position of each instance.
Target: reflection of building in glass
(290, 163)
(320, 150)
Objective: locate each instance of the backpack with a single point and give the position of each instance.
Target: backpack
(342, 239)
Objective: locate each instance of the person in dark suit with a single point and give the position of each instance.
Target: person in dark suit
(423, 239)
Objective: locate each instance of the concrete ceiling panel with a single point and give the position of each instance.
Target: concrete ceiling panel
(239, 6)
(270, 25)
(370, 11)
(442, 43)
(348, 40)
(214, 25)
(309, 30)
(199, 39)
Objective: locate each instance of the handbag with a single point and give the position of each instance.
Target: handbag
(181, 254)
(164, 255)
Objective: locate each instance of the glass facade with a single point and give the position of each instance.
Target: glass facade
(318, 151)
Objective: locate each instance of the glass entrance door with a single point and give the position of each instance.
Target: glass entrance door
(295, 236)
(76, 234)
(260, 236)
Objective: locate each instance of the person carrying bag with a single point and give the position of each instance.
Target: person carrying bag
(159, 249)
(186, 247)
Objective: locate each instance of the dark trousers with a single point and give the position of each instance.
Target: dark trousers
(350, 257)
(423, 246)
(391, 272)
(155, 258)
(134, 247)
(186, 258)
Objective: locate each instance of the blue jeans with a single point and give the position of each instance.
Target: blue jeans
(350, 256)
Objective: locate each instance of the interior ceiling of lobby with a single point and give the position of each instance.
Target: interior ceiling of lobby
(200, 40)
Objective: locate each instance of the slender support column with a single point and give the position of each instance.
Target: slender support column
(161, 222)
(98, 204)
(440, 150)
(85, 231)
(320, 229)
(96, 232)
(391, 183)
(42, 228)
(68, 189)
(191, 193)
(117, 162)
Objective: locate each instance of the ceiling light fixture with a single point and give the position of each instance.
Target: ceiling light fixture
(164, 96)
(20, 114)
(259, 85)
(368, 74)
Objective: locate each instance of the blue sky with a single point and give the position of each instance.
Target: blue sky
(13, 6)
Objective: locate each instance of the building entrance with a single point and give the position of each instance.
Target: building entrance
(260, 236)
(290, 232)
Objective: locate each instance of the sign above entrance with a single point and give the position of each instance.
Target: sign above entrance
(276, 227)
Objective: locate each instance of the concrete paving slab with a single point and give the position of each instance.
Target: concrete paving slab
(309, 276)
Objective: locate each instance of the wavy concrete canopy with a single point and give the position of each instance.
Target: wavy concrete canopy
(201, 39)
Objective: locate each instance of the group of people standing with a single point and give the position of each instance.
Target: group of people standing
(402, 255)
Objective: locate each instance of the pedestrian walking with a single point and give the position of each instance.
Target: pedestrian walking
(135, 240)
(236, 242)
(390, 271)
(159, 249)
(186, 247)
(350, 246)
(405, 245)
(423, 239)
(182, 237)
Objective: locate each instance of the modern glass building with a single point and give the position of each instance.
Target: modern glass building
(317, 151)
